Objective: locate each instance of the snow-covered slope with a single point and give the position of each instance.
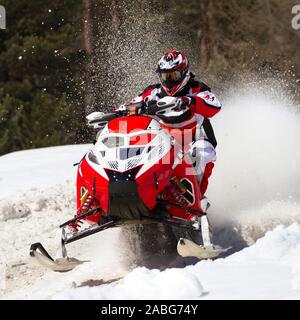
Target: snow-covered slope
(38, 168)
(268, 269)
(255, 187)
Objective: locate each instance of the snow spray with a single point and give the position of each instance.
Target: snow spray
(257, 170)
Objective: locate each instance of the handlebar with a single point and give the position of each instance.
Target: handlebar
(105, 118)
(152, 108)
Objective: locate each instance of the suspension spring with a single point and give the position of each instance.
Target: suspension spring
(87, 204)
(85, 207)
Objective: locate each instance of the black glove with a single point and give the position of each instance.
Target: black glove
(182, 103)
(151, 108)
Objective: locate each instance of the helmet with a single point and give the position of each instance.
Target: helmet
(173, 71)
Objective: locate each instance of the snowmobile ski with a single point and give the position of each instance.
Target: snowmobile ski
(188, 248)
(44, 258)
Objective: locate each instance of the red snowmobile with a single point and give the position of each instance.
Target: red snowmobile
(136, 172)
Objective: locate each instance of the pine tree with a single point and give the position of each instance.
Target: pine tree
(41, 64)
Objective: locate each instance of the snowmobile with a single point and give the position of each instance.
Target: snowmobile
(137, 171)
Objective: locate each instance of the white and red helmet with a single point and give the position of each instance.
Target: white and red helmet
(173, 70)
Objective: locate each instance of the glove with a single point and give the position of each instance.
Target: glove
(122, 107)
(130, 109)
(121, 110)
(182, 102)
(151, 108)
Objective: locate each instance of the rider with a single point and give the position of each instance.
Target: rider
(196, 104)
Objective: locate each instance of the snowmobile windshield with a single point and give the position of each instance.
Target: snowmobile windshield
(113, 142)
(126, 153)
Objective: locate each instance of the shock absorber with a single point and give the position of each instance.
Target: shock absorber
(87, 204)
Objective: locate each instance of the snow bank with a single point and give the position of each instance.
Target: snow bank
(38, 168)
(20, 278)
(270, 269)
(143, 284)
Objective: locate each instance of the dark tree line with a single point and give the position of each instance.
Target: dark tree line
(41, 63)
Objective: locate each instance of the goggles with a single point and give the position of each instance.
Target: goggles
(173, 76)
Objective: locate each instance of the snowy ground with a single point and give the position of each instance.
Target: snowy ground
(255, 187)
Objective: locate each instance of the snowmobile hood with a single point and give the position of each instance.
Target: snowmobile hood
(131, 124)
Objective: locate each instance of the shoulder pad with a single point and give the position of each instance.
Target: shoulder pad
(201, 85)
